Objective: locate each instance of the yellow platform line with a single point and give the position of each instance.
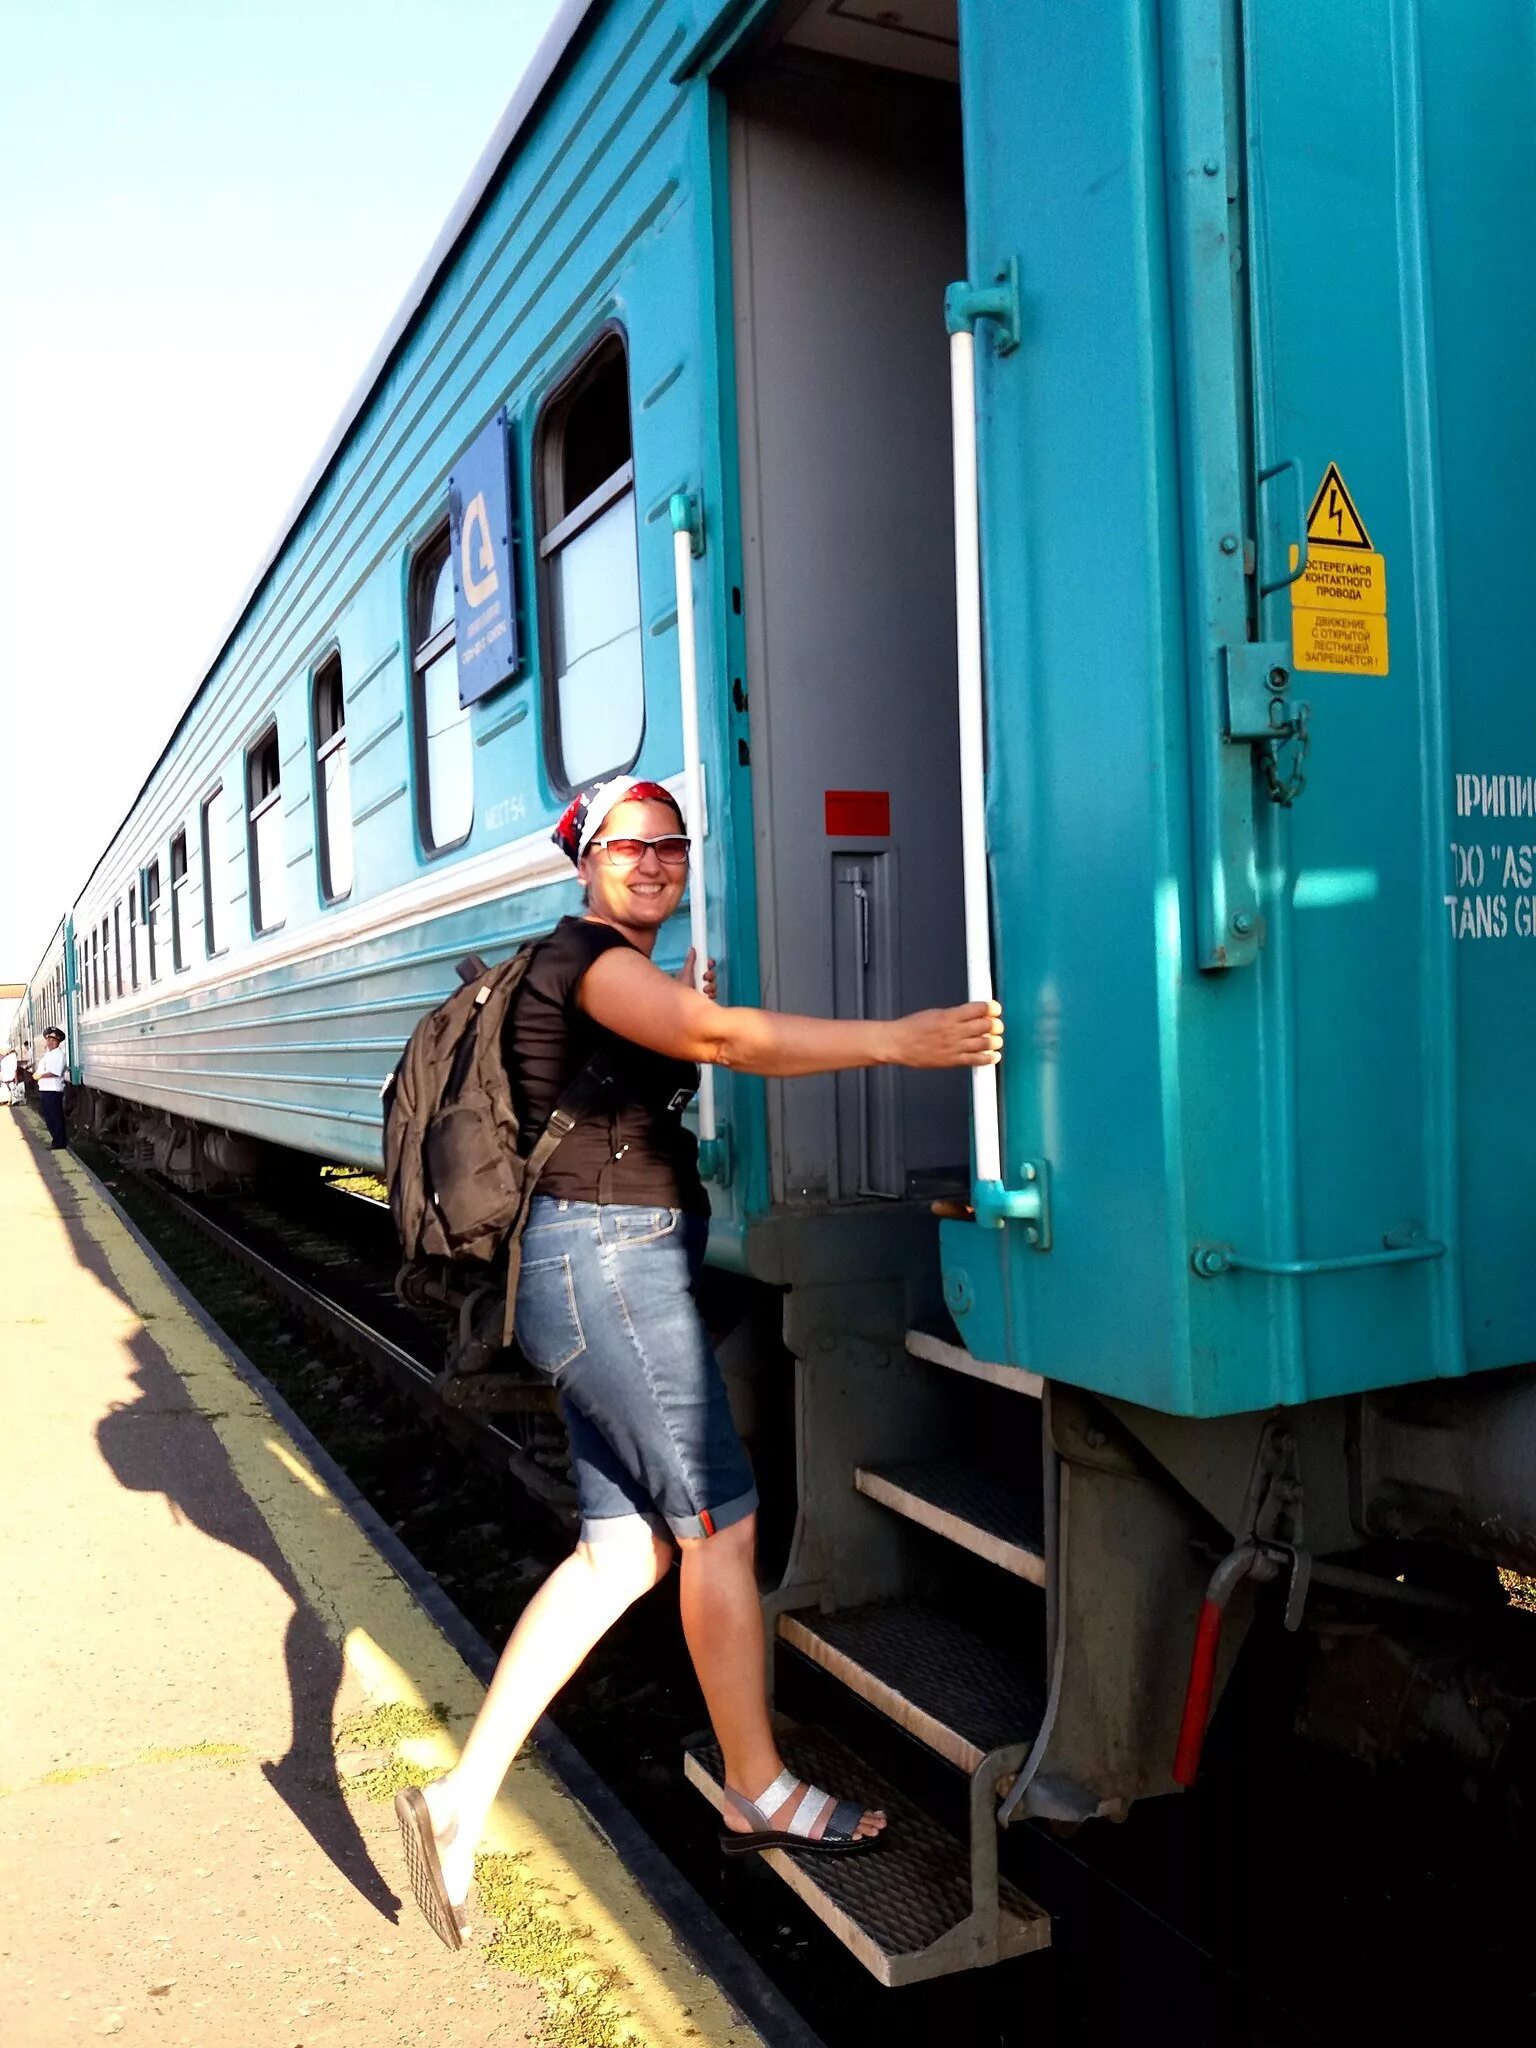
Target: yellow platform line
(575, 1922)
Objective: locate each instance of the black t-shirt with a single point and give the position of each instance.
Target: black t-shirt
(637, 1129)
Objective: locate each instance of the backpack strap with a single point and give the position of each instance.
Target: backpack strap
(577, 1100)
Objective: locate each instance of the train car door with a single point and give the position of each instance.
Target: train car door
(847, 221)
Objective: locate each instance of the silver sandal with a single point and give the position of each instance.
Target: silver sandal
(837, 1838)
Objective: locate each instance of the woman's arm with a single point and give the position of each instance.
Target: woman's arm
(624, 992)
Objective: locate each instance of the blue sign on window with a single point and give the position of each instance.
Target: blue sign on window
(484, 597)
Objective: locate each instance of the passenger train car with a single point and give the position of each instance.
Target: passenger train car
(1069, 456)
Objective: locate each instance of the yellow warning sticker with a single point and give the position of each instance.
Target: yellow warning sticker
(1339, 600)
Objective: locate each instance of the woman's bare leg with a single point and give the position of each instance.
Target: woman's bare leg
(723, 1623)
(574, 1608)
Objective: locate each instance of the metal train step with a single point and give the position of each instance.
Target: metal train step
(932, 1676)
(989, 1513)
(905, 1910)
(942, 1345)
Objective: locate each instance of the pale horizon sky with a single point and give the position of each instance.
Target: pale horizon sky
(209, 212)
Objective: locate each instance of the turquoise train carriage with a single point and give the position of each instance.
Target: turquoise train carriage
(1044, 480)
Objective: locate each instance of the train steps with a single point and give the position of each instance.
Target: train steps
(927, 1903)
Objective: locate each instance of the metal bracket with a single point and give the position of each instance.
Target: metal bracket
(1030, 1204)
(1258, 675)
(686, 510)
(965, 304)
(1277, 1497)
(717, 1157)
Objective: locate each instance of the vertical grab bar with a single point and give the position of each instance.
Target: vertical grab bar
(686, 537)
(993, 1201)
(985, 1114)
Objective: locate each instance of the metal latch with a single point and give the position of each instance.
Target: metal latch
(1259, 710)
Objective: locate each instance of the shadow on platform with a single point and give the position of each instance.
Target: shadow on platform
(160, 1442)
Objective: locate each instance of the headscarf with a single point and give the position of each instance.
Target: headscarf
(582, 818)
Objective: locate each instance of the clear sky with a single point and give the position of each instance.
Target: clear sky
(209, 210)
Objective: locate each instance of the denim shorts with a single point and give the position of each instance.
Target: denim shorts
(605, 1310)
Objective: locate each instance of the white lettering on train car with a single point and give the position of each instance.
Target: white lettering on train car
(1491, 880)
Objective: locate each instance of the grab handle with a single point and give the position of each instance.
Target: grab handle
(1209, 1261)
(993, 1202)
(688, 541)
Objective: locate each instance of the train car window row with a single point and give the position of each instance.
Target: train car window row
(445, 783)
(264, 799)
(589, 590)
(333, 783)
(589, 570)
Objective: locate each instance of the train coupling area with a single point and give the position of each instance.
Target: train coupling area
(217, 1675)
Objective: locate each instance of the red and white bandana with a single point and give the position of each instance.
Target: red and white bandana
(582, 819)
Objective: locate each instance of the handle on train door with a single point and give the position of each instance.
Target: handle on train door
(994, 1202)
(687, 541)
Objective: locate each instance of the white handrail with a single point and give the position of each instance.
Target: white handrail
(973, 785)
(693, 777)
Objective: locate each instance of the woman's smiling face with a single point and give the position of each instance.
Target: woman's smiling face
(639, 896)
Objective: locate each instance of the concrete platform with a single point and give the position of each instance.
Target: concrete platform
(213, 1680)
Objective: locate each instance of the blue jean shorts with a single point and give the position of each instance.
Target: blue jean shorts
(605, 1310)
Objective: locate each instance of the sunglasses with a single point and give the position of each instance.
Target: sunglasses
(671, 850)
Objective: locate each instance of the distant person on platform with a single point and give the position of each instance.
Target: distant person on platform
(50, 1086)
(10, 1084)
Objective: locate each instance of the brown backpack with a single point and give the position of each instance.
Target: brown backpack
(459, 1187)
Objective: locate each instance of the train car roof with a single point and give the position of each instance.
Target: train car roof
(546, 60)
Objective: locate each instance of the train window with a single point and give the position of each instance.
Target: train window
(95, 967)
(133, 934)
(444, 751)
(333, 787)
(215, 873)
(178, 890)
(106, 960)
(589, 569)
(117, 945)
(264, 793)
(151, 902)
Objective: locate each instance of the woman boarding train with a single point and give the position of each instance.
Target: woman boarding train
(613, 1246)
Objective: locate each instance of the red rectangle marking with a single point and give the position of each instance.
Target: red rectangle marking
(858, 813)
